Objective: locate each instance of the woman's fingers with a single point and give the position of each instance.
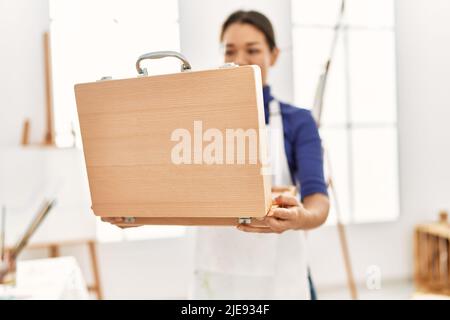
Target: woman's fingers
(277, 221)
(284, 200)
(277, 225)
(274, 225)
(248, 228)
(281, 213)
(112, 220)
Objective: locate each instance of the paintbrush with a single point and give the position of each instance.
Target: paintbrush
(45, 209)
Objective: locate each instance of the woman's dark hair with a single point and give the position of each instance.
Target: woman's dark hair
(254, 18)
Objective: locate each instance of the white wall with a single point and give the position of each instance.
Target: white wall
(22, 91)
(158, 268)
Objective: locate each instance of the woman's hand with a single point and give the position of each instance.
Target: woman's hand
(292, 215)
(288, 215)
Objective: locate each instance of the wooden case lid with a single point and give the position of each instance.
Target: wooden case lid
(128, 126)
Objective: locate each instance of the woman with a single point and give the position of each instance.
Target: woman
(267, 263)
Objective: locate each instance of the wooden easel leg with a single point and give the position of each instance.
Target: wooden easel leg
(49, 138)
(344, 246)
(348, 266)
(342, 235)
(53, 251)
(97, 285)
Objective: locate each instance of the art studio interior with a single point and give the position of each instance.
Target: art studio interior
(120, 179)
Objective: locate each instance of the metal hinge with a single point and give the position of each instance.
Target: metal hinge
(106, 78)
(228, 65)
(129, 219)
(245, 220)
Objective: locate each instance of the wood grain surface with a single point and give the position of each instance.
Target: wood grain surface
(126, 128)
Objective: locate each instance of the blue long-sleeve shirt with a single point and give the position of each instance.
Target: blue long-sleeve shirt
(302, 145)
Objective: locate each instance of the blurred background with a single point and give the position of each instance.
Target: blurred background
(385, 125)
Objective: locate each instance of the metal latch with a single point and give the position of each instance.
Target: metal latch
(129, 219)
(245, 220)
(228, 65)
(105, 78)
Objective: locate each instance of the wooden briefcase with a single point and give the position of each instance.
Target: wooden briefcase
(177, 148)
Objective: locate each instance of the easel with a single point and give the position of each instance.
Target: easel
(54, 251)
(49, 140)
(49, 135)
(317, 113)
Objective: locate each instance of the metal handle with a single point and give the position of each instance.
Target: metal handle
(158, 55)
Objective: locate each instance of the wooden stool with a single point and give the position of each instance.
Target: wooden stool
(432, 256)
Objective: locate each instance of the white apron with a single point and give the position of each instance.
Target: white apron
(232, 264)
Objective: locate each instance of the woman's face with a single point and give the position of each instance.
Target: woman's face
(244, 44)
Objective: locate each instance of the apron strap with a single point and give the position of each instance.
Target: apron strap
(281, 174)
